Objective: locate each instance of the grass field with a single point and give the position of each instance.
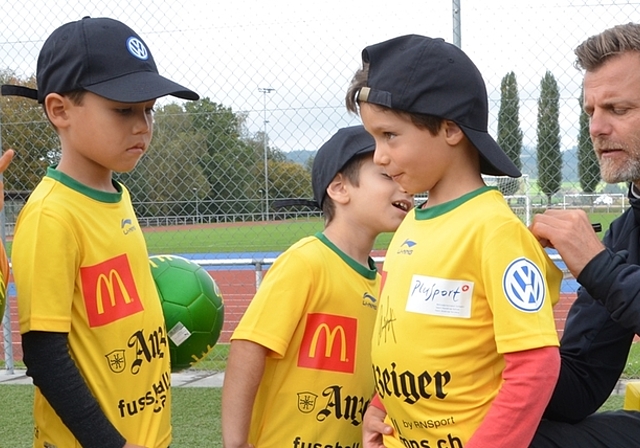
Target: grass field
(632, 370)
(264, 237)
(195, 411)
(258, 237)
(196, 416)
(255, 237)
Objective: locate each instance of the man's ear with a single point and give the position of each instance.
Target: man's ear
(57, 108)
(337, 189)
(452, 132)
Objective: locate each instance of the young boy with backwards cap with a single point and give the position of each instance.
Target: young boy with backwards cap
(465, 350)
(93, 333)
(299, 368)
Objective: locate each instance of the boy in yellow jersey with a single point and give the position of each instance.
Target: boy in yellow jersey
(465, 350)
(299, 369)
(93, 333)
(5, 160)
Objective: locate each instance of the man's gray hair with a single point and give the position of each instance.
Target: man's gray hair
(594, 51)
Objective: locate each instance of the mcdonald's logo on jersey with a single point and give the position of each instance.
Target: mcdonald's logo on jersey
(329, 343)
(109, 291)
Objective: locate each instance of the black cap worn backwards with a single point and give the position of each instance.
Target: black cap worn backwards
(418, 74)
(330, 159)
(103, 56)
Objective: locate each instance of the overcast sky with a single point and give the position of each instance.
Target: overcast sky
(307, 51)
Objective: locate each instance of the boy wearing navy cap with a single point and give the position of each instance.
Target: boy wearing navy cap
(93, 333)
(465, 350)
(299, 368)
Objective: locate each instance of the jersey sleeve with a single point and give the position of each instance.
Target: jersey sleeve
(45, 263)
(278, 306)
(522, 285)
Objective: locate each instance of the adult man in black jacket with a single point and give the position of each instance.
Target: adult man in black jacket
(606, 315)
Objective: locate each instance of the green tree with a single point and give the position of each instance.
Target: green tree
(588, 166)
(228, 162)
(509, 131)
(198, 164)
(289, 180)
(169, 181)
(549, 154)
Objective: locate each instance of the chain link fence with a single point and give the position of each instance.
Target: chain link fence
(272, 76)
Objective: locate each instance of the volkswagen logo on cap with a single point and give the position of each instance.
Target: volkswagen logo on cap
(137, 48)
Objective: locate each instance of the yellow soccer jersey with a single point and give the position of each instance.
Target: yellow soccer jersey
(81, 267)
(463, 283)
(315, 310)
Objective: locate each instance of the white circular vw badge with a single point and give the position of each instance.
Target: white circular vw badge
(524, 286)
(137, 48)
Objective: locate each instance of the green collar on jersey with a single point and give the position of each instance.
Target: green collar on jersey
(369, 273)
(440, 209)
(102, 196)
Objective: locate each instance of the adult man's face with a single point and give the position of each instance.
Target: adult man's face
(612, 101)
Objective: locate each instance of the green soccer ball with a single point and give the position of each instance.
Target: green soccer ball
(193, 308)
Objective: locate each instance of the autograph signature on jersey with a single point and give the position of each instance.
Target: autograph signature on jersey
(387, 322)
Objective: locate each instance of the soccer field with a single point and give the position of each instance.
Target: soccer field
(274, 236)
(196, 416)
(232, 237)
(260, 237)
(240, 237)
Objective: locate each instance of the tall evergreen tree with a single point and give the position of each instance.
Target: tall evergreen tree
(588, 166)
(549, 154)
(509, 131)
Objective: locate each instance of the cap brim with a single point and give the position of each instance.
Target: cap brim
(493, 160)
(139, 87)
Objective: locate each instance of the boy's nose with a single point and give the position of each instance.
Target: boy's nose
(143, 124)
(379, 157)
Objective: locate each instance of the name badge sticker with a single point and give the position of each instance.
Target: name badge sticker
(440, 297)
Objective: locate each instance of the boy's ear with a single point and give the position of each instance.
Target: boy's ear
(452, 132)
(337, 189)
(57, 107)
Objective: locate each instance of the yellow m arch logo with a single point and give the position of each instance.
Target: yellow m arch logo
(330, 336)
(110, 282)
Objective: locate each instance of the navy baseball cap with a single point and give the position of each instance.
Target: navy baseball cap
(103, 56)
(330, 159)
(422, 75)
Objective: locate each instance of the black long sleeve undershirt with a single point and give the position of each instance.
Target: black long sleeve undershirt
(49, 364)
